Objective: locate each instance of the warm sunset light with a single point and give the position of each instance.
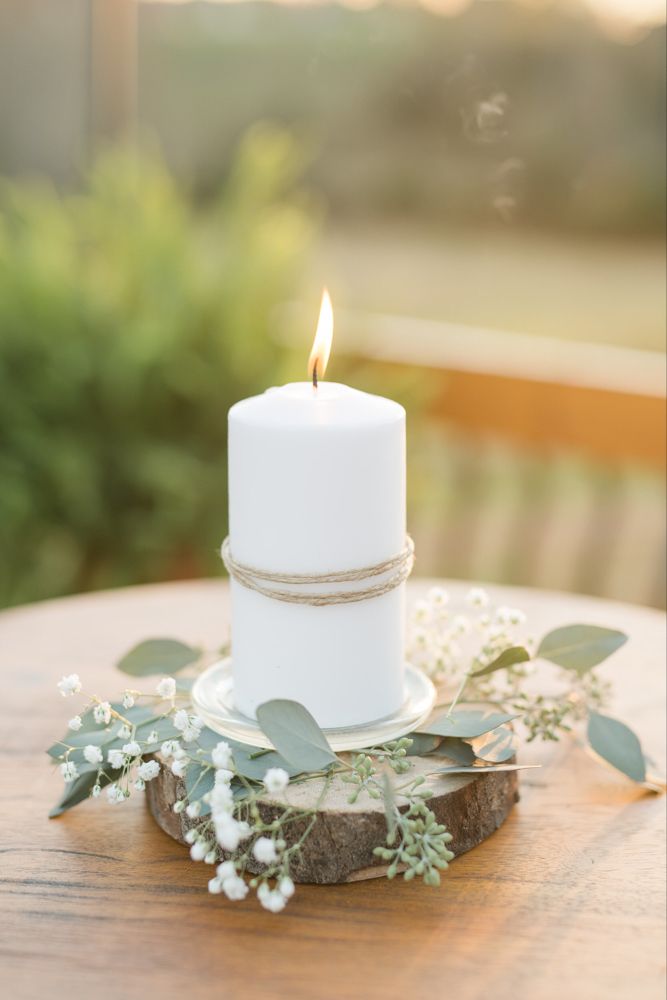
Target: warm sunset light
(319, 356)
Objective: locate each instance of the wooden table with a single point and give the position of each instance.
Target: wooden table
(565, 900)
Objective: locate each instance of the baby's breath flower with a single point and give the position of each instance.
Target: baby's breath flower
(221, 755)
(193, 810)
(148, 770)
(75, 723)
(169, 748)
(264, 851)
(510, 616)
(128, 699)
(215, 885)
(102, 713)
(438, 597)
(93, 754)
(227, 869)
(189, 725)
(286, 887)
(227, 831)
(477, 597)
(200, 849)
(221, 798)
(69, 770)
(153, 736)
(115, 794)
(132, 749)
(179, 806)
(223, 776)
(211, 857)
(124, 732)
(181, 719)
(139, 785)
(96, 791)
(276, 780)
(271, 899)
(461, 625)
(179, 767)
(421, 638)
(191, 836)
(69, 685)
(116, 758)
(422, 612)
(166, 688)
(234, 888)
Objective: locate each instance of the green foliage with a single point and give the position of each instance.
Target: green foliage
(580, 647)
(158, 656)
(617, 744)
(295, 734)
(466, 723)
(78, 790)
(495, 747)
(508, 658)
(130, 323)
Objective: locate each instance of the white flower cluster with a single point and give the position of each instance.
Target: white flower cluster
(229, 832)
(190, 726)
(126, 759)
(443, 640)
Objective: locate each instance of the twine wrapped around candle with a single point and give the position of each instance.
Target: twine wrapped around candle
(399, 566)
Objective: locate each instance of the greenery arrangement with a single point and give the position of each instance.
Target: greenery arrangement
(496, 693)
(131, 321)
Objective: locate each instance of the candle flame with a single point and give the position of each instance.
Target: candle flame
(319, 356)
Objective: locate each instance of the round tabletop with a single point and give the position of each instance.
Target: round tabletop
(566, 899)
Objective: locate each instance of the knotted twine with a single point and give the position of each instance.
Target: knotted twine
(261, 581)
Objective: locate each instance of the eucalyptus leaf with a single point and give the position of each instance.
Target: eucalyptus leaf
(496, 746)
(295, 734)
(78, 790)
(199, 779)
(467, 723)
(138, 714)
(580, 647)
(158, 656)
(508, 658)
(455, 749)
(485, 769)
(208, 739)
(251, 762)
(162, 725)
(255, 768)
(617, 744)
(81, 739)
(422, 743)
(389, 803)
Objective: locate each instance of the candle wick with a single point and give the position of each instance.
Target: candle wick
(315, 375)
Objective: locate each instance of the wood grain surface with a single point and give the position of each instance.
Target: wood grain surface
(567, 899)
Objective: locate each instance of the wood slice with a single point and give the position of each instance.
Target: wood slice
(340, 846)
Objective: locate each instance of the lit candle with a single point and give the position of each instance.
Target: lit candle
(317, 486)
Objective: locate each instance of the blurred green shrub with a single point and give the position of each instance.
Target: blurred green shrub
(129, 323)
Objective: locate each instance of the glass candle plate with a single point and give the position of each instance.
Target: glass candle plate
(213, 698)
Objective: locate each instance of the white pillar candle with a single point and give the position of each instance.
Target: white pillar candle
(317, 485)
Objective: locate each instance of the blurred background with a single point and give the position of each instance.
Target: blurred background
(481, 184)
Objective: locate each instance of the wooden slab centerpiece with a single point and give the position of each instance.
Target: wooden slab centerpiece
(340, 846)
